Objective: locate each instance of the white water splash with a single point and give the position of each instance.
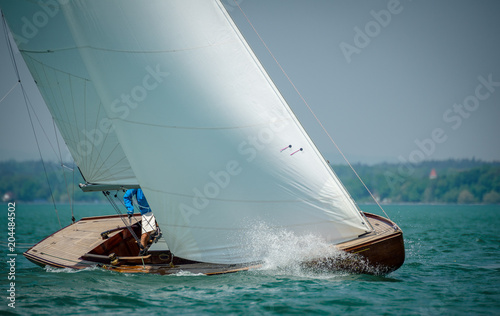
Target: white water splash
(69, 270)
(186, 273)
(283, 251)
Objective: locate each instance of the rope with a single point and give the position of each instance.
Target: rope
(41, 158)
(117, 210)
(307, 105)
(28, 104)
(9, 44)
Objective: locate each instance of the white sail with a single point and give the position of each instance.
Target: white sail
(207, 134)
(46, 44)
(210, 139)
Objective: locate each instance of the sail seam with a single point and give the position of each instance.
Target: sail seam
(251, 228)
(239, 201)
(199, 128)
(50, 51)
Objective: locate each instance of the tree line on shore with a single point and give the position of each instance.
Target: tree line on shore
(449, 181)
(466, 181)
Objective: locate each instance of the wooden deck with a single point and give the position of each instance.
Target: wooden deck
(65, 247)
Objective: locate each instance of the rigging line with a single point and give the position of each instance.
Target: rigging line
(65, 108)
(43, 129)
(6, 95)
(62, 165)
(74, 88)
(104, 160)
(55, 107)
(9, 45)
(11, 48)
(70, 197)
(57, 102)
(84, 110)
(308, 107)
(117, 210)
(136, 204)
(73, 193)
(94, 151)
(100, 161)
(26, 100)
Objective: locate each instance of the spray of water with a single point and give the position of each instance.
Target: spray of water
(286, 252)
(69, 270)
(187, 274)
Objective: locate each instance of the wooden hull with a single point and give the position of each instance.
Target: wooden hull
(105, 241)
(384, 250)
(379, 252)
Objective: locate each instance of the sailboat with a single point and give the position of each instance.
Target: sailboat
(168, 96)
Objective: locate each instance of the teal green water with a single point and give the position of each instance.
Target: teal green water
(452, 267)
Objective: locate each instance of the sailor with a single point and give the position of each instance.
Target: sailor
(148, 219)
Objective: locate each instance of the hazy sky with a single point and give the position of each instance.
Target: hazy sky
(390, 80)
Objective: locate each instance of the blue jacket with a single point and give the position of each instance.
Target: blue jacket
(141, 200)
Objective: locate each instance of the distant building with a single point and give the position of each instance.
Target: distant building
(433, 174)
(7, 197)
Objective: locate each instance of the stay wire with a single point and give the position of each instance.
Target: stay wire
(26, 102)
(9, 45)
(40, 153)
(11, 89)
(308, 107)
(122, 217)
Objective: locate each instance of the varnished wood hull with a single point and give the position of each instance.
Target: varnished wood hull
(382, 255)
(379, 252)
(83, 244)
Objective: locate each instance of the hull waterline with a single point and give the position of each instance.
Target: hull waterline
(105, 242)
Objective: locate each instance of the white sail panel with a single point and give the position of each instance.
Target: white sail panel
(46, 44)
(205, 130)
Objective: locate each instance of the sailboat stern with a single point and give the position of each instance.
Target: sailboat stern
(67, 247)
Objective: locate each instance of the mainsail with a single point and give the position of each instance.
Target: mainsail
(210, 139)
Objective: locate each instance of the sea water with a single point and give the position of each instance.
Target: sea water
(452, 267)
